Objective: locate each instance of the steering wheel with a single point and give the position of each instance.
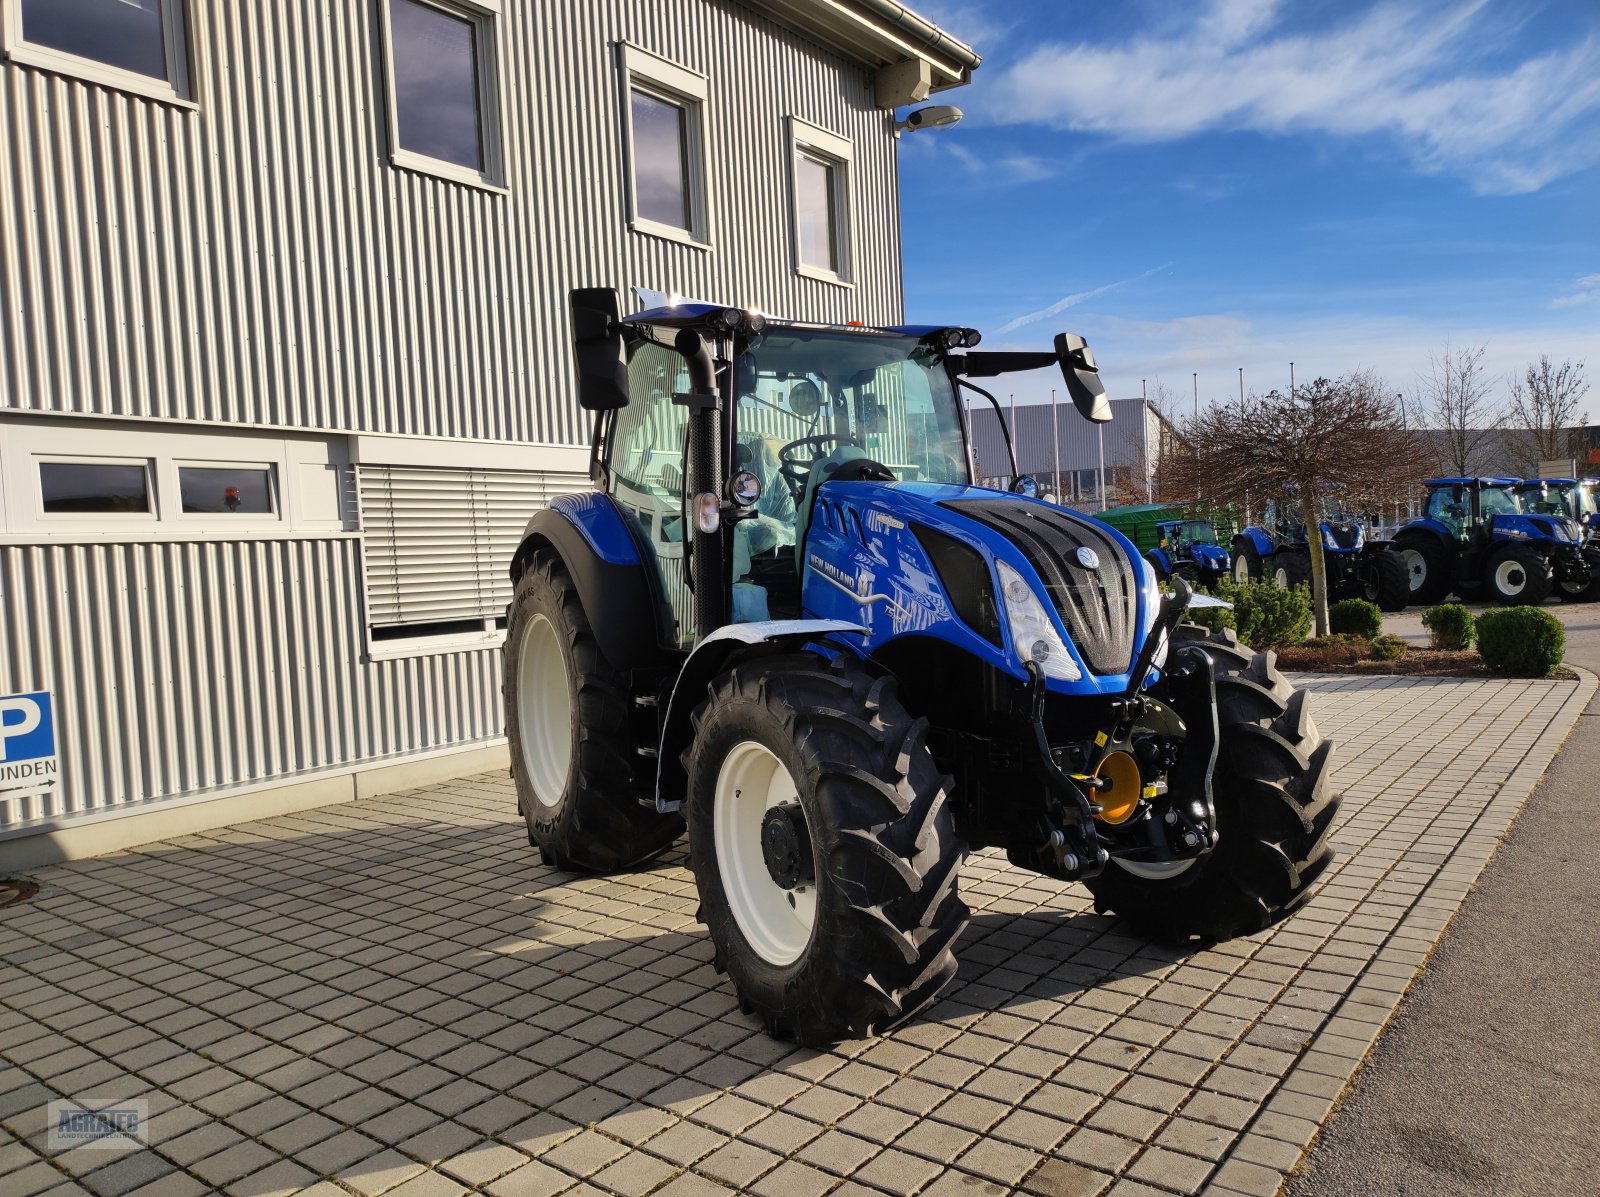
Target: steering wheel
(794, 469)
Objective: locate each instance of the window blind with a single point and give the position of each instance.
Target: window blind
(438, 542)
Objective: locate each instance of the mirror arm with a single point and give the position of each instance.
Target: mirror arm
(1005, 430)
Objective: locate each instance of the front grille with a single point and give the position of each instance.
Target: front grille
(1344, 535)
(1098, 606)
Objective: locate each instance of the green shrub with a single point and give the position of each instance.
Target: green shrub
(1355, 617)
(1449, 626)
(1388, 648)
(1520, 641)
(1263, 615)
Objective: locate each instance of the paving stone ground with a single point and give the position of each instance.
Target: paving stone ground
(395, 997)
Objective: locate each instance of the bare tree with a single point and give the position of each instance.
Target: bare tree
(1544, 402)
(1455, 398)
(1350, 431)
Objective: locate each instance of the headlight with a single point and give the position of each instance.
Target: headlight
(1328, 542)
(1033, 637)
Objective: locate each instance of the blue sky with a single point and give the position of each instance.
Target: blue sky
(1227, 183)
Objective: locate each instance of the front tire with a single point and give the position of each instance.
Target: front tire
(1274, 805)
(823, 847)
(567, 722)
(1290, 570)
(1519, 576)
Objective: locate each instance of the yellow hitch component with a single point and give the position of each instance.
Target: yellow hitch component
(1119, 799)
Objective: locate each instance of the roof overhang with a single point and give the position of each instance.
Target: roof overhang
(910, 55)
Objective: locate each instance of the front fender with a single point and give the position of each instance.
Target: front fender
(715, 655)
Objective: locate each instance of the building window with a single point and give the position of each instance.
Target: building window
(97, 487)
(820, 183)
(135, 45)
(443, 89)
(226, 490)
(664, 129)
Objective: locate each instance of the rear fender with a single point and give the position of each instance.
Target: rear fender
(713, 656)
(612, 576)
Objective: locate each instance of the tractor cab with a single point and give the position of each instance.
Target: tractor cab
(1573, 498)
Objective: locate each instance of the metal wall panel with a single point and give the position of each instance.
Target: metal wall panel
(185, 666)
(258, 260)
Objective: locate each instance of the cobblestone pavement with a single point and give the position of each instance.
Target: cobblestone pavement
(394, 997)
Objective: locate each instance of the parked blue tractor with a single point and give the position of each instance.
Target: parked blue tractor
(1478, 537)
(786, 618)
(1573, 498)
(1358, 567)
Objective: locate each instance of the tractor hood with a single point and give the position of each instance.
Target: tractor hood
(1213, 554)
(1007, 578)
(1342, 536)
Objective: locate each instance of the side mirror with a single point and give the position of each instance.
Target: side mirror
(598, 348)
(1082, 378)
(1026, 485)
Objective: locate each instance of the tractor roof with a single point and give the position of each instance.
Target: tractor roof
(1549, 482)
(687, 313)
(1474, 482)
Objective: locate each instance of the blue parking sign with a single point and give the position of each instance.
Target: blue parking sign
(28, 761)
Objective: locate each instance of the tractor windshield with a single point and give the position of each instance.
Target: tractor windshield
(1194, 532)
(807, 394)
(1499, 500)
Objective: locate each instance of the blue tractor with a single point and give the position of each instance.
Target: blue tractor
(1573, 498)
(1477, 536)
(786, 619)
(1358, 567)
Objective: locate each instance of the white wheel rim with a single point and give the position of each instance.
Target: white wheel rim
(776, 922)
(1416, 567)
(544, 711)
(1241, 569)
(1280, 576)
(1154, 870)
(1510, 578)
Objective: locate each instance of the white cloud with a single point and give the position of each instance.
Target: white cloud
(1585, 289)
(1072, 301)
(1005, 169)
(1403, 70)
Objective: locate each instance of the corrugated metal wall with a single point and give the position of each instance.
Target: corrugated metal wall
(183, 666)
(258, 259)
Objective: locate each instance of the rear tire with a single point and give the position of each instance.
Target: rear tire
(874, 947)
(567, 722)
(1387, 582)
(1274, 805)
(1427, 565)
(1519, 576)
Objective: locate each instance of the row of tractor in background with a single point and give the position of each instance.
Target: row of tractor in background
(1506, 540)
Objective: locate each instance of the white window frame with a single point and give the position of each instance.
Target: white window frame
(485, 17)
(124, 519)
(640, 70)
(817, 142)
(274, 491)
(176, 89)
(299, 466)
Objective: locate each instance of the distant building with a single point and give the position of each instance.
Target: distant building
(284, 356)
(1063, 450)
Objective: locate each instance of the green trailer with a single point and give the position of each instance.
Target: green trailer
(1171, 541)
